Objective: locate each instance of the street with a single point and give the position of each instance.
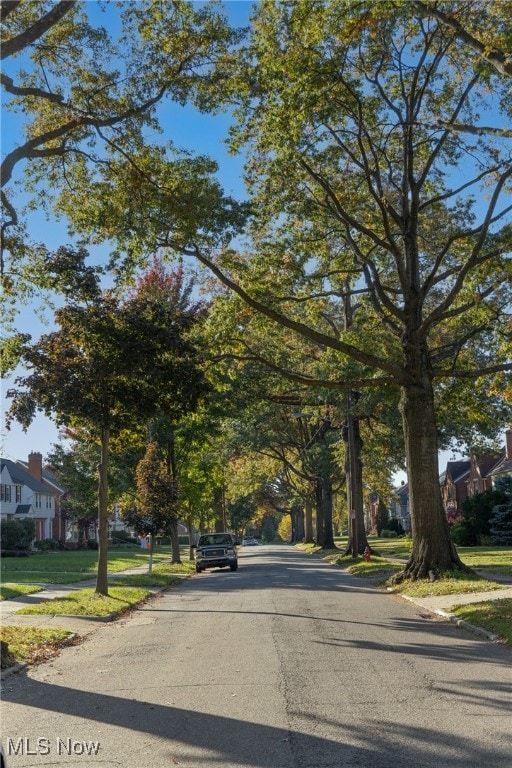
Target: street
(286, 663)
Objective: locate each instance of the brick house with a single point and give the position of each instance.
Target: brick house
(453, 482)
(480, 477)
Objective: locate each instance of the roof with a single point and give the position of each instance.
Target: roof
(48, 476)
(489, 463)
(20, 476)
(458, 469)
(23, 509)
(503, 466)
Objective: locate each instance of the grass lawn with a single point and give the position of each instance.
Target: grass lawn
(495, 616)
(497, 559)
(68, 567)
(455, 582)
(85, 602)
(10, 591)
(161, 576)
(33, 645)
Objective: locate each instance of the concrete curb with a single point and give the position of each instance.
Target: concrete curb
(453, 619)
(466, 625)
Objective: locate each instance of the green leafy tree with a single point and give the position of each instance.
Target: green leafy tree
(76, 470)
(500, 523)
(91, 100)
(336, 106)
(111, 362)
(382, 517)
(477, 511)
(157, 496)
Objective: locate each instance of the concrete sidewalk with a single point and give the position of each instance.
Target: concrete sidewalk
(81, 624)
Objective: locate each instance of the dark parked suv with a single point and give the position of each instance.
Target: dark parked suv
(216, 550)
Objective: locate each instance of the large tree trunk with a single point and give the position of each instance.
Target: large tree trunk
(297, 515)
(175, 543)
(308, 521)
(433, 551)
(319, 513)
(328, 536)
(102, 574)
(357, 541)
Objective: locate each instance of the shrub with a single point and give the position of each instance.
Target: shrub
(395, 525)
(387, 534)
(17, 535)
(477, 511)
(463, 534)
(46, 544)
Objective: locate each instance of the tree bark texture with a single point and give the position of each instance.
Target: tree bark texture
(297, 515)
(357, 541)
(175, 543)
(102, 574)
(319, 513)
(433, 551)
(328, 535)
(309, 535)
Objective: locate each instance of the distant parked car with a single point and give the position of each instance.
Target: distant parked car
(250, 542)
(216, 550)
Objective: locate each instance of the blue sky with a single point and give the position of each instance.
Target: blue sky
(188, 129)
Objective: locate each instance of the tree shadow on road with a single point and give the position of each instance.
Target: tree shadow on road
(191, 738)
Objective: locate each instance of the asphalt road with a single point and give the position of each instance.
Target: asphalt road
(286, 663)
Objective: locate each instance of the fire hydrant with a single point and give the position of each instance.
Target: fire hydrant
(367, 554)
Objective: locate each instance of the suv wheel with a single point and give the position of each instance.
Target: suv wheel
(233, 566)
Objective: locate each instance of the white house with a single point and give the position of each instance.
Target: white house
(22, 496)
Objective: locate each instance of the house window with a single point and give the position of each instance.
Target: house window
(48, 502)
(5, 492)
(18, 494)
(39, 501)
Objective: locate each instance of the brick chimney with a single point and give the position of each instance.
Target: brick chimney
(35, 465)
(508, 443)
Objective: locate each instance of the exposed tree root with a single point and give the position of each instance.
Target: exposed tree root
(414, 571)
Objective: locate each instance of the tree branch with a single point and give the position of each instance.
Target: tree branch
(37, 30)
(497, 58)
(395, 371)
